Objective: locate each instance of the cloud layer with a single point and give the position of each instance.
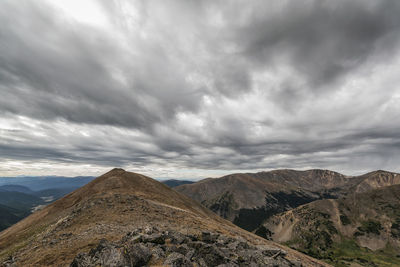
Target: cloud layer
(198, 88)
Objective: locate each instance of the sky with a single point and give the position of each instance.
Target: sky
(195, 89)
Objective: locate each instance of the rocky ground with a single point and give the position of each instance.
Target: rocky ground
(150, 246)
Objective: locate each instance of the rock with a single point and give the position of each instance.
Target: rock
(177, 260)
(271, 251)
(105, 254)
(177, 238)
(156, 238)
(181, 249)
(150, 229)
(149, 245)
(209, 237)
(157, 253)
(10, 262)
(138, 254)
(211, 255)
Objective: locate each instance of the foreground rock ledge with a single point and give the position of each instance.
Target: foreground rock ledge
(147, 247)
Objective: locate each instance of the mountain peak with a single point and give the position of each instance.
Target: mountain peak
(117, 170)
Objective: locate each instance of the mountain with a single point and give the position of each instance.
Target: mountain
(175, 183)
(374, 180)
(16, 202)
(247, 199)
(14, 206)
(361, 228)
(16, 188)
(19, 200)
(127, 218)
(37, 183)
(23, 201)
(313, 180)
(52, 194)
(9, 216)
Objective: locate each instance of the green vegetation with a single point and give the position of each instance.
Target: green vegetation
(369, 227)
(343, 253)
(395, 229)
(319, 240)
(345, 220)
(340, 251)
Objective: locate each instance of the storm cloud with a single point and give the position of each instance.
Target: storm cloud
(198, 88)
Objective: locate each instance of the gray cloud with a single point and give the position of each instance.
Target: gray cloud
(324, 40)
(166, 88)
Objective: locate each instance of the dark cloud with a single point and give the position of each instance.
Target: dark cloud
(166, 88)
(323, 40)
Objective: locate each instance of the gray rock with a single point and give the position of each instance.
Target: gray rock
(157, 253)
(208, 237)
(81, 260)
(138, 254)
(156, 238)
(105, 254)
(181, 249)
(10, 262)
(210, 254)
(149, 245)
(228, 265)
(177, 238)
(177, 260)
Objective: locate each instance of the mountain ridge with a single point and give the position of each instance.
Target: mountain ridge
(110, 206)
(258, 196)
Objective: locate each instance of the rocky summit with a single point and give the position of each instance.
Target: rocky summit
(151, 246)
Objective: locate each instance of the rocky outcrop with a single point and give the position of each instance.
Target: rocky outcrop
(151, 246)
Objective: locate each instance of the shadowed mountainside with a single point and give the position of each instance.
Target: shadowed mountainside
(247, 199)
(175, 183)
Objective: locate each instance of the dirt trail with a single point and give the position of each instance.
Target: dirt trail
(335, 213)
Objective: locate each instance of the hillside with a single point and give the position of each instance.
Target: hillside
(23, 201)
(9, 216)
(38, 183)
(247, 199)
(18, 200)
(175, 183)
(15, 188)
(114, 208)
(362, 228)
(374, 180)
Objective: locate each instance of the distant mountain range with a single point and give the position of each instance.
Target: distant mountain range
(20, 196)
(127, 219)
(175, 183)
(342, 220)
(37, 183)
(265, 202)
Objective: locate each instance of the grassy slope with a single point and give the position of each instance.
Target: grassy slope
(333, 230)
